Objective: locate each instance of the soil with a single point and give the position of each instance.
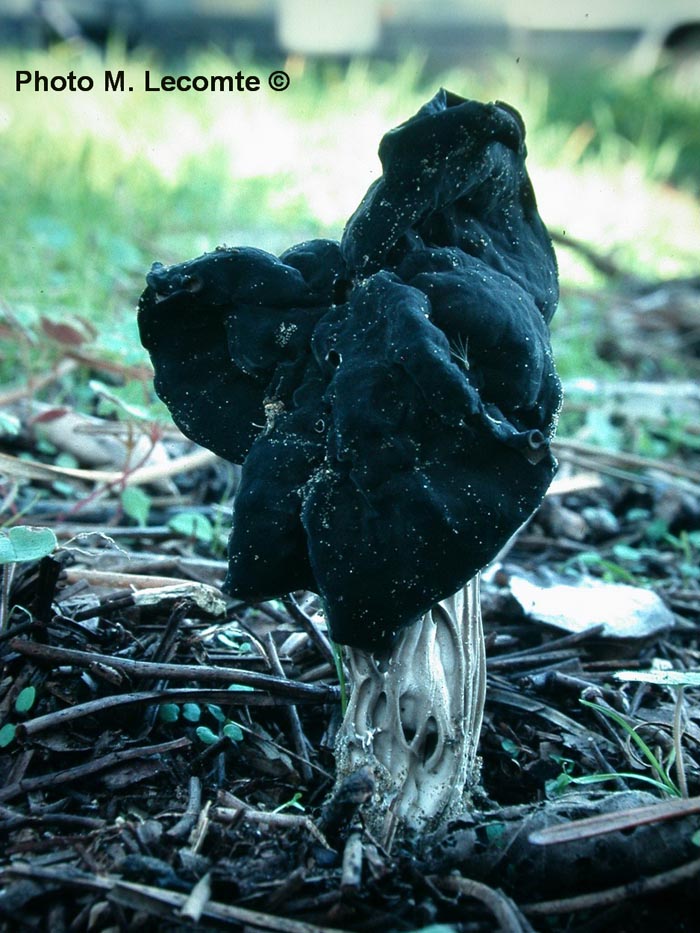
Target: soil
(167, 756)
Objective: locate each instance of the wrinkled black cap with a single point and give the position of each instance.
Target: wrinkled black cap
(391, 397)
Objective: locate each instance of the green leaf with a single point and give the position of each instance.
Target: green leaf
(206, 735)
(25, 699)
(191, 712)
(232, 642)
(240, 687)
(695, 838)
(437, 928)
(668, 784)
(624, 552)
(216, 712)
(136, 503)
(340, 671)
(495, 833)
(233, 732)
(193, 525)
(169, 712)
(613, 776)
(9, 424)
(7, 734)
(294, 802)
(26, 542)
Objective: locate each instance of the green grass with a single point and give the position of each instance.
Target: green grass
(96, 186)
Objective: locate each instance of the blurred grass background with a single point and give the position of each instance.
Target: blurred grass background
(98, 185)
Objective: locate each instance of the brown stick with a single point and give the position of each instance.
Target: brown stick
(564, 446)
(29, 469)
(184, 825)
(228, 913)
(138, 581)
(605, 898)
(311, 629)
(27, 785)
(298, 737)
(280, 820)
(614, 822)
(509, 918)
(191, 672)
(147, 697)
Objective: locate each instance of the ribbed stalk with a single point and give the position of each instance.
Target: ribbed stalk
(414, 718)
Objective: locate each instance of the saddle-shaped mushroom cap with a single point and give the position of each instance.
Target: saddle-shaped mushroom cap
(391, 397)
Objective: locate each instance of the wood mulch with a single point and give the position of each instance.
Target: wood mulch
(167, 755)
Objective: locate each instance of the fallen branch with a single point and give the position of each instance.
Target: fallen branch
(123, 579)
(154, 592)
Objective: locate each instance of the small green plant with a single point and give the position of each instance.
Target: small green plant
(25, 542)
(687, 544)
(193, 525)
(610, 571)
(292, 803)
(663, 781)
(19, 544)
(170, 713)
(198, 528)
(9, 424)
(230, 730)
(136, 504)
(340, 671)
(24, 701)
(7, 734)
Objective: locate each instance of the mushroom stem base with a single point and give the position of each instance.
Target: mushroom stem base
(414, 718)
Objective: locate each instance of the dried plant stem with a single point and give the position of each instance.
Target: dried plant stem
(414, 718)
(678, 726)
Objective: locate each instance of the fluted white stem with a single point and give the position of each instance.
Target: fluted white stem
(415, 716)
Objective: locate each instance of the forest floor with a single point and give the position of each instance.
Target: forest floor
(167, 755)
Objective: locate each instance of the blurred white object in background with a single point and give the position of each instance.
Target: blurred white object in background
(329, 27)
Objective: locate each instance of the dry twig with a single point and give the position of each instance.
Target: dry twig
(89, 768)
(189, 672)
(509, 918)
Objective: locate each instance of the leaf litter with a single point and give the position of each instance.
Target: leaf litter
(167, 755)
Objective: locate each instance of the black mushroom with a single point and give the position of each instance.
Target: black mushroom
(391, 397)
